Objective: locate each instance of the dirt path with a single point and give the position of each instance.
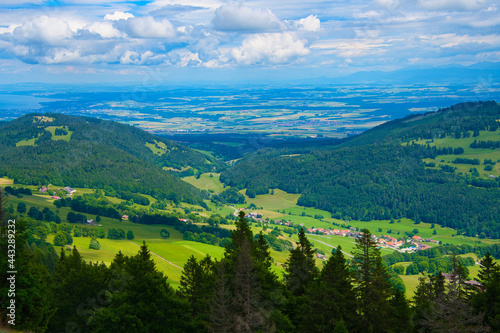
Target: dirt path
(171, 263)
(236, 211)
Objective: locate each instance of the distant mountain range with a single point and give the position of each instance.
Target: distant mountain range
(482, 74)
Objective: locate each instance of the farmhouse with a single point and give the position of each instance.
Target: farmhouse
(69, 190)
(320, 256)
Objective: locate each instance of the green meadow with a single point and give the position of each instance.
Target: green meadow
(52, 130)
(30, 142)
(471, 153)
(169, 254)
(207, 181)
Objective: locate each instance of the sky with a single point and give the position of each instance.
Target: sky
(210, 40)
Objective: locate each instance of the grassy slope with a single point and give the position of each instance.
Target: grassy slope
(206, 182)
(169, 254)
(174, 249)
(481, 154)
(52, 130)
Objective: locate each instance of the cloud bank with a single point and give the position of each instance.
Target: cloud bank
(377, 34)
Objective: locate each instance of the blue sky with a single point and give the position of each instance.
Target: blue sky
(180, 40)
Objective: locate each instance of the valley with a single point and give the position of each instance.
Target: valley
(276, 209)
(404, 182)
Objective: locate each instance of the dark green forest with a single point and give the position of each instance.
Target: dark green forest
(239, 292)
(100, 154)
(374, 176)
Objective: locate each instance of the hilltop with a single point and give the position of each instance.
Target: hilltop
(38, 149)
(418, 167)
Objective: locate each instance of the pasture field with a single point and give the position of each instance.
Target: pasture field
(169, 254)
(30, 142)
(6, 181)
(205, 182)
(411, 283)
(52, 130)
(471, 153)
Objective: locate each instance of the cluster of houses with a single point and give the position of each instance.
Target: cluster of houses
(335, 232)
(45, 189)
(416, 243)
(253, 215)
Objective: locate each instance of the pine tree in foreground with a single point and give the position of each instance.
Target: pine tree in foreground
(221, 305)
(485, 298)
(372, 285)
(330, 300)
(300, 267)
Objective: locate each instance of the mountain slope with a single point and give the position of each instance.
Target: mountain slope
(376, 175)
(87, 152)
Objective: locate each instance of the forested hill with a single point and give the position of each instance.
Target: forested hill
(452, 122)
(381, 174)
(86, 152)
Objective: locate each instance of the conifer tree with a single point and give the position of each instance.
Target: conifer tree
(196, 286)
(143, 301)
(450, 314)
(221, 304)
(330, 299)
(429, 290)
(372, 285)
(241, 234)
(248, 313)
(486, 297)
(488, 268)
(75, 287)
(401, 314)
(300, 268)
(248, 267)
(459, 274)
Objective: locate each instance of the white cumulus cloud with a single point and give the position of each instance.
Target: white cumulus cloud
(274, 48)
(310, 23)
(104, 29)
(245, 19)
(46, 29)
(118, 16)
(146, 27)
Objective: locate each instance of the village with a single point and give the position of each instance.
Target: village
(402, 244)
